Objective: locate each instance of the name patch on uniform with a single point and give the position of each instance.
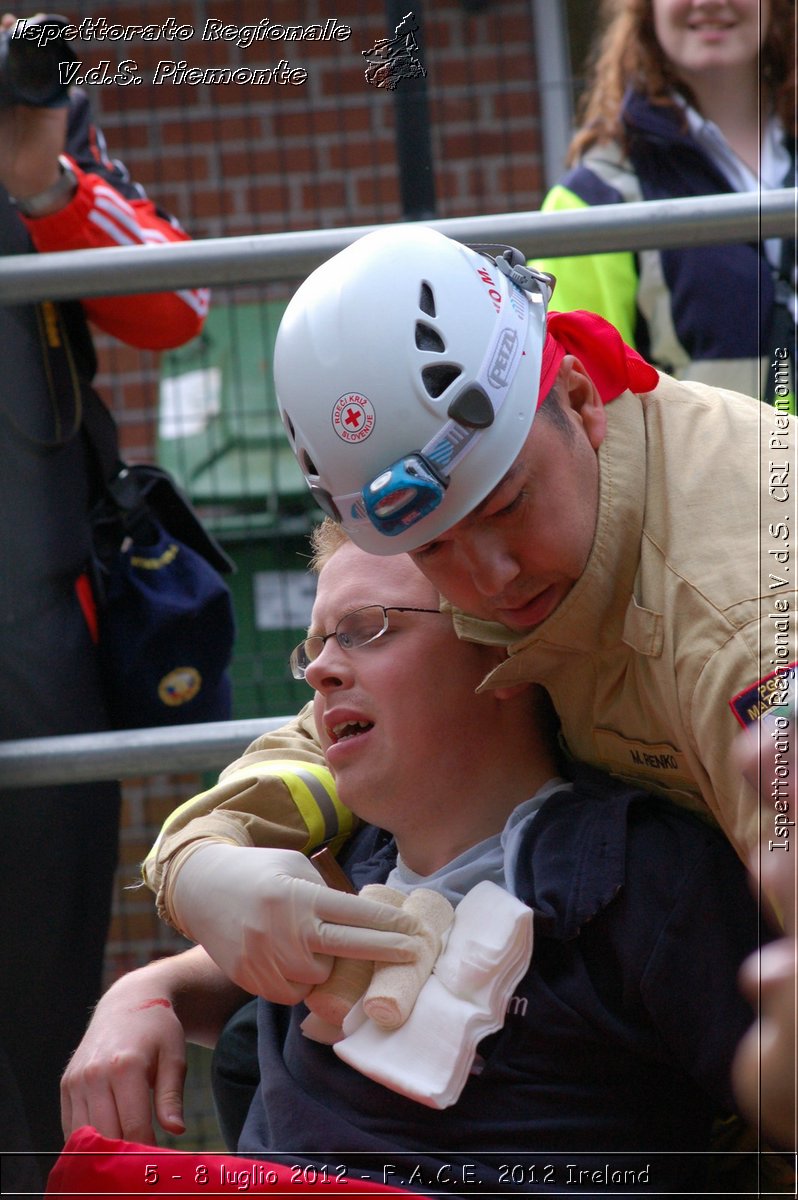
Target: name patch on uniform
(774, 690)
(660, 759)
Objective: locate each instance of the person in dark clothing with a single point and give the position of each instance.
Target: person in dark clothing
(59, 190)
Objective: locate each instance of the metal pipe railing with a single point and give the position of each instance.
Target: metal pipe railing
(89, 757)
(696, 220)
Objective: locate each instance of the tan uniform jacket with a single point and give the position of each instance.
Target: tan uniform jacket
(675, 615)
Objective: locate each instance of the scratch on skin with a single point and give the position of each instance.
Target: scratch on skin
(151, 1004)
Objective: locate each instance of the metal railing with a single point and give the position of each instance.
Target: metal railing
(650, 224)
(123, 754)
(228, 261)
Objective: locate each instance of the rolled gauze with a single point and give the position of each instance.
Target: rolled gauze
(394, 987)
(319, 1031)
(350, 977)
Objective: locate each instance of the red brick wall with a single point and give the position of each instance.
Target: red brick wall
(258, 159)
(233, 160)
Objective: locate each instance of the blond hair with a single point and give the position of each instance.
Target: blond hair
(628, 54)
(325, 539)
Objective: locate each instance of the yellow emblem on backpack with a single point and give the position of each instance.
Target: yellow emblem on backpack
(179, 686)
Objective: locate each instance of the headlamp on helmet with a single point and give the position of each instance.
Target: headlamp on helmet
(404, 493)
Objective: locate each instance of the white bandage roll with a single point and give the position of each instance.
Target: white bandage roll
(349, 978)
(394, 987)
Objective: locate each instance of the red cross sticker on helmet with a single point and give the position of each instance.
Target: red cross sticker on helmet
(353, 417)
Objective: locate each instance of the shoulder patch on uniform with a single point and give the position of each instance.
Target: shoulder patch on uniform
(751, 705)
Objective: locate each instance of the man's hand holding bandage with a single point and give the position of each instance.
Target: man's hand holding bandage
(269, 921)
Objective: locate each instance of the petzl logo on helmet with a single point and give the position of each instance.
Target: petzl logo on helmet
(499, 370)
(353, 417)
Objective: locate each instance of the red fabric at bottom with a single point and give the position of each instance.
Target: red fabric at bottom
(93, 1165)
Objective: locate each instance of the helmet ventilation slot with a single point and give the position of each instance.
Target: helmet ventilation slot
(426, 301)
(428, 338)
(438, 378)
(308, 465)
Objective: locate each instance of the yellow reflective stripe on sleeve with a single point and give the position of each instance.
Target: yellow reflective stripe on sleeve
(310, 787)
(313, 791)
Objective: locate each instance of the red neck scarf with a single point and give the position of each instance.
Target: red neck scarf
(613, 366)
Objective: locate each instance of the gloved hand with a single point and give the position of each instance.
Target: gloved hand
(269, 921)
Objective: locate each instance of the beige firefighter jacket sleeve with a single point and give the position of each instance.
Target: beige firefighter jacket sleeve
(279, 794)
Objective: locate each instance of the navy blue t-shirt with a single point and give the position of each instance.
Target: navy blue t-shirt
(614, 1058)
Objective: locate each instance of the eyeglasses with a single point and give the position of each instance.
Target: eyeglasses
(356, 629)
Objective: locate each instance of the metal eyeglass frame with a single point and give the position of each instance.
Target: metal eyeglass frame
(300, 660)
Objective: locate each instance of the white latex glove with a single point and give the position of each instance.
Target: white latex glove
(269, 921)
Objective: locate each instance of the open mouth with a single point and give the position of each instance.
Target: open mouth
(710, 26)
(348, 729)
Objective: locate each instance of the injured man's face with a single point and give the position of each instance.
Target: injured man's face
(413, 747)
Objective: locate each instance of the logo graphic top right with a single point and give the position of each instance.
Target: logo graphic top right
(395, 58)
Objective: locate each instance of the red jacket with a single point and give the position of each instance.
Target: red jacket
(108, 209)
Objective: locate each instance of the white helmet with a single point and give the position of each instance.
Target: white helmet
(407, 370)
